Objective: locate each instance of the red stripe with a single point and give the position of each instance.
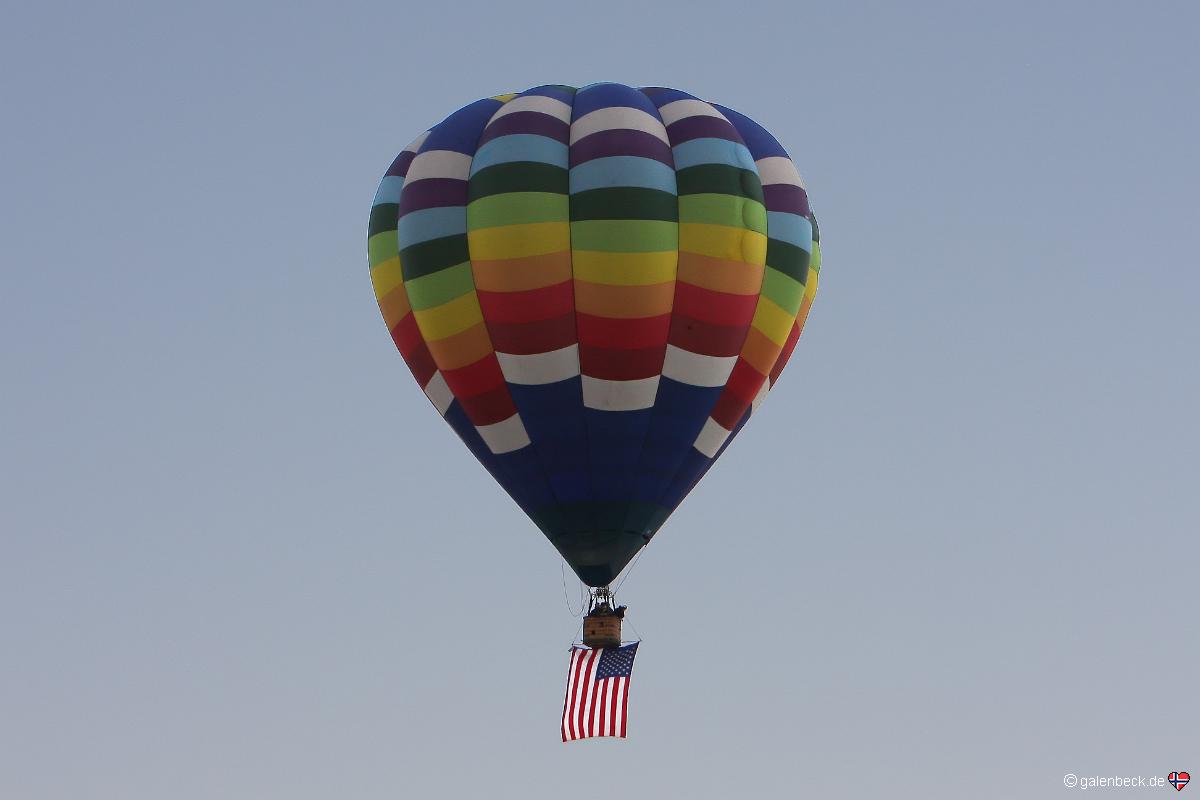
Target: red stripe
(612, 710)
(525, 338)
(591, 720)
(743, 384)
(412, 347)
(530, 305)
(720, 308)
(621, 365)
(490, 407)
(589, 671)
(624, 704)
(623, 333)
(580, 656)
(705, 338)
(482, 376)
(785, 353)
(567, 696)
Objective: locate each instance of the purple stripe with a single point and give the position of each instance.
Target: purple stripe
(620, 142)
(399, 167)
(701, 127)
(432, 193)
(778, 197)
(534, 122)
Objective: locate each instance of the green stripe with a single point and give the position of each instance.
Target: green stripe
(784, 290)
(815, 264)
(600, 518)
(723, 209)
(624, 236)
(518, 176)
(383, 218)
(440, 287)
(381, 247)
(624, 202)
(788, 259)
(719, 179)
(422, 259)
(517, 208)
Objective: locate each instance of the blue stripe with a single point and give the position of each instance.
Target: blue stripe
(461, 130)
(601, 173)
(389, 190)
(713, 151)
(790, 228)
(760, 141)
(607, 95)
(431, 223)
(680, 411)
(615, 442)
(661, 96)
(554, 421)
(556, 92)
(520, 147)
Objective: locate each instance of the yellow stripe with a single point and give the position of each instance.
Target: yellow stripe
(519, 241)
(724, 242)
(504, 98)
(624, 269)
(449, 318)
(772, 321)
(386, 276)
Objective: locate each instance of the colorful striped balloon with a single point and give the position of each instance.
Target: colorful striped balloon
(596, 288)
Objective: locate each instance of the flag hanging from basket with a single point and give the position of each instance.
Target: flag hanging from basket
(597, 701)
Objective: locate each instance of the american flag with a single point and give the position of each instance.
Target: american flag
(597, 701)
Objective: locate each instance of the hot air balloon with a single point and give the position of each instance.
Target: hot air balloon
(595, 288)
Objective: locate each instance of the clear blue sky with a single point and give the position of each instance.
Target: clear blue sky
(955, 554)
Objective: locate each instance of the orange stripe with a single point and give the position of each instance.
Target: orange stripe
(394, 305)
(522, 274)
(623, 302)
(719, 275)
(760, 352)
(462, 348)
(802, 315)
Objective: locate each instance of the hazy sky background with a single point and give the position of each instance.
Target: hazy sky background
(955, 554)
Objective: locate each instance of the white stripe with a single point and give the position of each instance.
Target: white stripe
(581, 685)
(576, 655)
(761, 396)
(439, 393)
(617, 117)
(504, 436)
(681, 109)
(416, 143)
(540, 368)
(695, 369)
(566, 729)
(608, 717)
(619, 716)
(439, 164)
(778, 169)
(545, 105)
(619, 395)
(584, 728)
(711, 437)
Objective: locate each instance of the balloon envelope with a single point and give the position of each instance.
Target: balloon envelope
(595, 288)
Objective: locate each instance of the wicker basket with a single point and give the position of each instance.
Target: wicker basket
(602, 630)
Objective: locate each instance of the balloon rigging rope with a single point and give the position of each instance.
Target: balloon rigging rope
(629, 571)
(566, 597)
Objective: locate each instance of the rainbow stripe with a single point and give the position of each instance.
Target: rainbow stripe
(595, 288)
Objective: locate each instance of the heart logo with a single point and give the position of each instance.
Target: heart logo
(1179, 780)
